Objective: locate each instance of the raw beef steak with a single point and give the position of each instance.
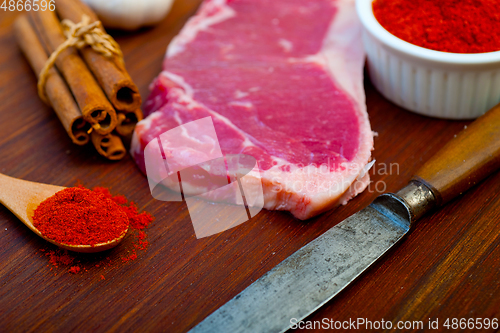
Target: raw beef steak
(282, 81)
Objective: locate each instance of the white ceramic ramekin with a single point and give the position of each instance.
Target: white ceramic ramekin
(432, 83)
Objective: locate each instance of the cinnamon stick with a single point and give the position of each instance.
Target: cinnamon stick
(57, 91)
(111, 73)
(109, 145)
(89, 96)
(127, 121)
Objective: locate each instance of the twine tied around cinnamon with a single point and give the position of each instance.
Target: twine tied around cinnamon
(80, 35)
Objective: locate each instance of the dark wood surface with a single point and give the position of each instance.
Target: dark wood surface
(466, 160)
(448, 266)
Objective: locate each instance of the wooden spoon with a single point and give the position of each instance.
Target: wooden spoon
(22, 197)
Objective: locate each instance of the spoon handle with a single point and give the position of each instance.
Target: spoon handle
(22, 197)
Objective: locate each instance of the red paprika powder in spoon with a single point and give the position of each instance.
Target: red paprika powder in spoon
(78, 216)
(77, 263)
(457, 26)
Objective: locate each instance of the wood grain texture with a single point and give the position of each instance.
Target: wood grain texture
(466, 159)
(447, 267)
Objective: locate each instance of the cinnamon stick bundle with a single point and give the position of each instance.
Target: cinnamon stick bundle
(78, 90)
(58, 93)
(110, 72)
(89, 96)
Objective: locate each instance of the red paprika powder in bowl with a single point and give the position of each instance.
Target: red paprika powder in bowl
(419, 54)
(465, 26)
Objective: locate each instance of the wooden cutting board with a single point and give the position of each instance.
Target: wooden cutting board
(447, 268)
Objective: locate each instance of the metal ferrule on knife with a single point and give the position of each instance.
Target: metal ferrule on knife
(417, 197)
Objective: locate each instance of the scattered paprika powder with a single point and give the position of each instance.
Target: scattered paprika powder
(457, 26)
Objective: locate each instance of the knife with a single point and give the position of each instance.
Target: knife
(314, 274)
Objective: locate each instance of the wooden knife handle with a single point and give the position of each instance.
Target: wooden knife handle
(466, 160)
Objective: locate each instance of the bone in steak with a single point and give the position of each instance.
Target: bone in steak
(283, 82)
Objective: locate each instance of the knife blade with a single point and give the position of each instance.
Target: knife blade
(315, 273)
(318, 271)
